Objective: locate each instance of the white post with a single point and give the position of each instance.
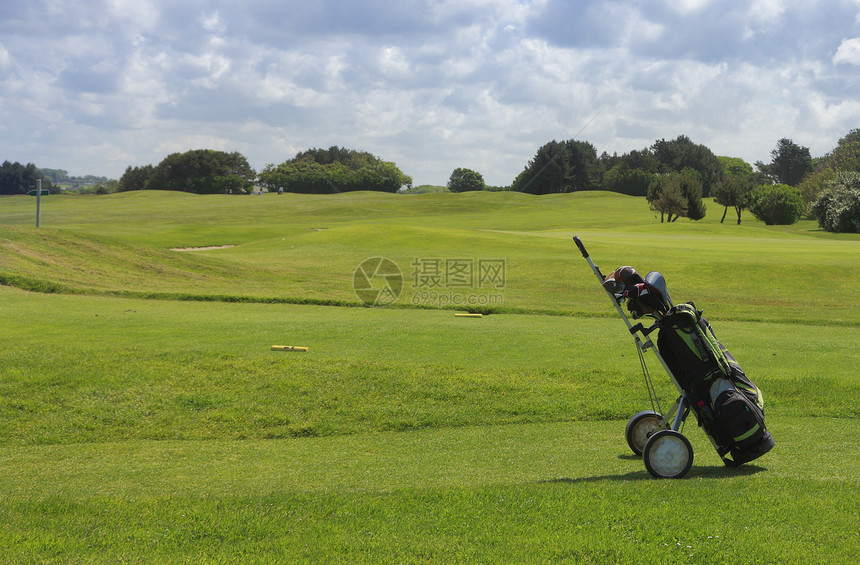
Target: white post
(38, 200)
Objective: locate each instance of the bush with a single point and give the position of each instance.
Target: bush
(776, 204)
(838, 207)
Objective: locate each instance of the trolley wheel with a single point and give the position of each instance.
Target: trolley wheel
(668, 455)
(640, 427)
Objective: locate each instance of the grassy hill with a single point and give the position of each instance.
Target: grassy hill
(306, 248)
(144, 417)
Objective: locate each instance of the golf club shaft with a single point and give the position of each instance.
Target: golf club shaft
(640, 344)
(600, 279)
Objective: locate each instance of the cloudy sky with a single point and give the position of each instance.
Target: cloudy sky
(95, 86)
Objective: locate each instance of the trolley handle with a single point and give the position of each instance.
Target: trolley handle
(645, 331)
(581, 246)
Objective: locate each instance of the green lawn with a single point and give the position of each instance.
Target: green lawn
(305, 248)
(144, 418)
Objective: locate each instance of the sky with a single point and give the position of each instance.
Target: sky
(96, 86)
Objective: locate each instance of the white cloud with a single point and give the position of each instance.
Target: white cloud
(766, 10)
(5, 58)
(687, 7)
(848, 52)
(141, 15)
(212, 23)
(432, 85)
(393, 63)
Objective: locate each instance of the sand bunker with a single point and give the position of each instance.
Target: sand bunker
(204, 248)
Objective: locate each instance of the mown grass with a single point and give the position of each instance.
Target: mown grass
(530, 493)
(305, 248)
(143, 417)
(84, 369)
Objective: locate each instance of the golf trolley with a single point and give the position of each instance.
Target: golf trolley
(726, 404)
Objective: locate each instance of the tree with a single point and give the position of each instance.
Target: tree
(630, 173)
(586, 171)
(789, 163)
(846, 155)
(547, 172)
(56, 175)
(135, 178)
(844, 158)
(643, 160)
(838, 207)
(776, 204)
(464, 180)
(202, 171)
(382, 176)
(561, 167)
(335, 169)
(16, 178)
(303, 177)
(675, 155)
(101, 187)
(737, 181)
(692, 188)
(735, 166)
(677, 195)
(732, 191)
(627, 180)
(665, 196)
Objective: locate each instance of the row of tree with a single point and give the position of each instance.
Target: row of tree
(61, 176)
(203, 171)
(16, 178)
(207, 171)
(674, 176)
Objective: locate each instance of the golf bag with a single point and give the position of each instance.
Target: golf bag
(728, 406)
(710, 382)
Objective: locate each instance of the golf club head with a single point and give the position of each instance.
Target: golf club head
(657, 281)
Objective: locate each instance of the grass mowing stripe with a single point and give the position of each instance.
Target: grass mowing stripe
(570, 452)
(133, 369)
(308, 247)
(569, 492)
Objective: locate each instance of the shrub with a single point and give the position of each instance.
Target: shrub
(838, 207)
(776, 204)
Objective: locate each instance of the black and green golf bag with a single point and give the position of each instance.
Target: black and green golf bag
(729, 407)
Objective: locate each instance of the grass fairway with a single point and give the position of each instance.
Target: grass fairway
(305, 248)
(144, 418)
